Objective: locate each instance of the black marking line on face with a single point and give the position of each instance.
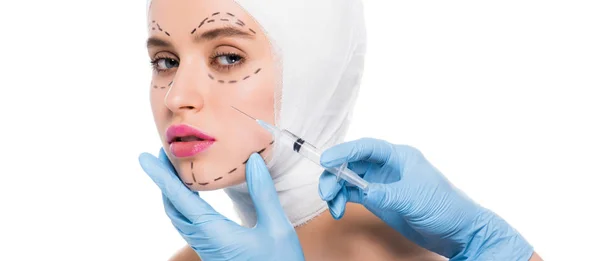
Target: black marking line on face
(155, 87)
(234, 81)
(192, 165)
(246, 161)
(153, 21)
(240, 24)
(210, 21)
(189, 184)
(225, 20)
(162, 87)
(271, 142)
(203, 22)
(167, 33)
(252, 31)
(193, 31)
(158, 25)
(204, 184)
(218, 178)
(230, 14)
(231, 171)
(153, 28)
(261, 151)
(240, 21)
(171, 84)
(216, 13)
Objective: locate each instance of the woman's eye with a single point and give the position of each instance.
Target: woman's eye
(228, 59)
(166, 63)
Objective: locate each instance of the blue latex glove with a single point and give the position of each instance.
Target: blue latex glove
(414, 198)
(213, 236)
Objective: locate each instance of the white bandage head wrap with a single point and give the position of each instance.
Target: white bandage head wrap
(321, 47)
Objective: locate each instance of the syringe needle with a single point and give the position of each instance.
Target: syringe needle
(243, 113)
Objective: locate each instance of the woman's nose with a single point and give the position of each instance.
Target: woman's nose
(185, 92)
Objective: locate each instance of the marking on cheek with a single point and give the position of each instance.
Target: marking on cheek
(193, 31)
(240, 21)
(240, 24)
(252, 31)
(218, 178)
(171, 84)
(246, 77)
(211, 77)
(210, 21)
(230, 14)
(216, 13)
(203, 184)
(226, 20)
(155, 87)
(162, 87)
(271, 142)
(261, 151)
(245, 161)
(160, 29)
(153, 21)
(232, 81)
(203, 22)
(257, 70)
(153, 28)
(189, 184)
(231, 171)
(221, 81)
(192, 165)
(167, 33)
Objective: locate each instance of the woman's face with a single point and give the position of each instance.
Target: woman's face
(209, 55)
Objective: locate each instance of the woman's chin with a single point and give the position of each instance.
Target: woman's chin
(205, 182)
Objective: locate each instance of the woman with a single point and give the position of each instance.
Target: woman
(296, 64)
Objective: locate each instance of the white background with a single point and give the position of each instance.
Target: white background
(501, 96)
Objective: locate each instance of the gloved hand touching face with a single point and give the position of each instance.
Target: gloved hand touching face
(213, 236)
(413, 197)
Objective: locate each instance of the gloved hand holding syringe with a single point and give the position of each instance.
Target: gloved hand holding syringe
(286, 138)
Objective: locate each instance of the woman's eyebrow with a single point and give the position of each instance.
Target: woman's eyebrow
(157, 42)
(222, 32)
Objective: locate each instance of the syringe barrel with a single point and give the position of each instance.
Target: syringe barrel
(313, 154)
(301, 146)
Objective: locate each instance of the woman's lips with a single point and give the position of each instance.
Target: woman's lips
(182, 149)
(186, 141)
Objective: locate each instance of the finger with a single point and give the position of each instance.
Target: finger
(355, 195)
(360, 167)
(328, 186)
(263, 193)
(185, 201)
(365, 149)
(179, 221)
(386, 197)
(337, 206)
(162, 156)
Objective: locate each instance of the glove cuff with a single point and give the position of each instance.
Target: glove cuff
(494, 239)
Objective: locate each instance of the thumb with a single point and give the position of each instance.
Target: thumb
(387, 197)
(263, 193)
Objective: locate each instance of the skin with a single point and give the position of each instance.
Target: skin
(182, 92)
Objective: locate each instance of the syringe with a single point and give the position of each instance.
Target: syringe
(309, 151)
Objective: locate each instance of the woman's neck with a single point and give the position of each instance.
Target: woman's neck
(359, 235)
